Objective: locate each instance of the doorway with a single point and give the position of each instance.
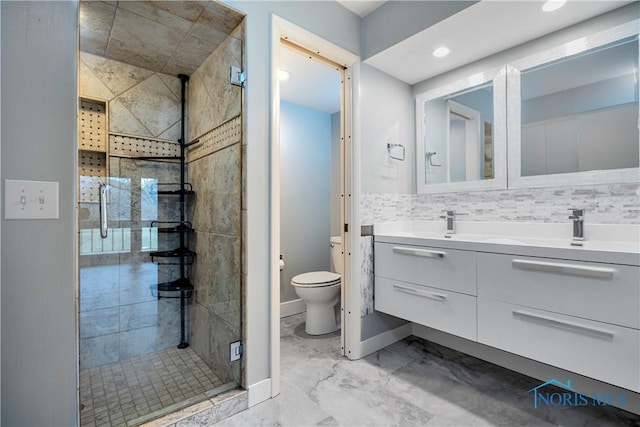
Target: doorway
(327, 55)
(310, 155)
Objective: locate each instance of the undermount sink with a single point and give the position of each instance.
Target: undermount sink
(503, 241)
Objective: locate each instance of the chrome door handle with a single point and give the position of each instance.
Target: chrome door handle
(103, 210)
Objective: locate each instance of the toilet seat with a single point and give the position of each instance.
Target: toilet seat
(316, 279)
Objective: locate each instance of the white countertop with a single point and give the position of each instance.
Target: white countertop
(606, 243)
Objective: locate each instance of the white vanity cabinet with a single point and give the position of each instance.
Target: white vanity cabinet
(555, 306)
(579, 316)
(430, 286)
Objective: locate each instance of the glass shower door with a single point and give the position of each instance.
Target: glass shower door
(121, 315)
(130, 367)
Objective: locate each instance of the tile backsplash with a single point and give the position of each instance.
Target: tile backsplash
(604, 204)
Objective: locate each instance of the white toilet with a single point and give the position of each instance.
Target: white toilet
(320, 290)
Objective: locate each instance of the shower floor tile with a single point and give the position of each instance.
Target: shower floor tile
(121, 393)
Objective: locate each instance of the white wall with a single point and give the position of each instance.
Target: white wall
(334, 23)
(305, 192)
(387, 114)
(39, 334)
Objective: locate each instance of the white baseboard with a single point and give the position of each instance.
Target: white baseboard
(290, 308)
(382, 340)
(259, 392)
(529, 367)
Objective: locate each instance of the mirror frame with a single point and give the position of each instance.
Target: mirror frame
(514, 70)
(497, 76)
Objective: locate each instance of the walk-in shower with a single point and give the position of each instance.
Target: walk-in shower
(160, 212)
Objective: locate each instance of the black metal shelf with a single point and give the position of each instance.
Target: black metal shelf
(179, 285)
(184, 189)
(180, 288)
(179, 227)
(184, 254)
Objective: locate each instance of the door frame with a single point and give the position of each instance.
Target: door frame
(350, 330)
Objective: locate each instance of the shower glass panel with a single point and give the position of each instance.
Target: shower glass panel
(160, 290)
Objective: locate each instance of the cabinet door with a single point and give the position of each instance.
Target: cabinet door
(435, 267)
(602, 351)
(602, 292)
(436, 308)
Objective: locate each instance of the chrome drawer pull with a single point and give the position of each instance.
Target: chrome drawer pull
(424, 294)
(418, 252)
(569, 325)
(556, 267)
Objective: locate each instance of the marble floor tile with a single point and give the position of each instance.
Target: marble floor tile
(410, 383)
(294, 409)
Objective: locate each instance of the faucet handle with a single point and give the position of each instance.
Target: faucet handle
(452, 214)
(576, 213)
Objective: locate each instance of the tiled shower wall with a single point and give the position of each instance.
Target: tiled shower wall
(215, 171)
(604, 204)
(141, 102)
(120, 316)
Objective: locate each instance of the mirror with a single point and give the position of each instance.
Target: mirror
(460, 135)
(578, 112)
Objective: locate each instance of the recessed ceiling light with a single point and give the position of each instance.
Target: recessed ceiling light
(283, 75)
(441, 52)
(551, 5)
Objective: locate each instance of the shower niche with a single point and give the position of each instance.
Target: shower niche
(92, 146)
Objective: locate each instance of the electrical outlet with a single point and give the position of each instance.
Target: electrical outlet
(235, 351)
(30, 199)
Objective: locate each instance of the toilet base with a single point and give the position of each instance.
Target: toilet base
(320, 319)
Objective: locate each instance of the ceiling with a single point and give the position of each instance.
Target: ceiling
(471, 35)
(163, 36)
(176, 37)
(312, 84)
(362, 7)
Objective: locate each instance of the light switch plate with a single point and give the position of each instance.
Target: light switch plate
(30, 199)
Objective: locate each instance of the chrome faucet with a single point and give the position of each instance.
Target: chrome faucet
(577, 215)
(449, 217)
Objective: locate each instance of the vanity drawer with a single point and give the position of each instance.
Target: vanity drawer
(605, 352)
(435, 267)
(443, 310)
(603, 292)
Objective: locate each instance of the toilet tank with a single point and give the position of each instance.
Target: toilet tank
(336, 254)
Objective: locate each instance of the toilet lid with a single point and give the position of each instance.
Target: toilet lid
(316, 278)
